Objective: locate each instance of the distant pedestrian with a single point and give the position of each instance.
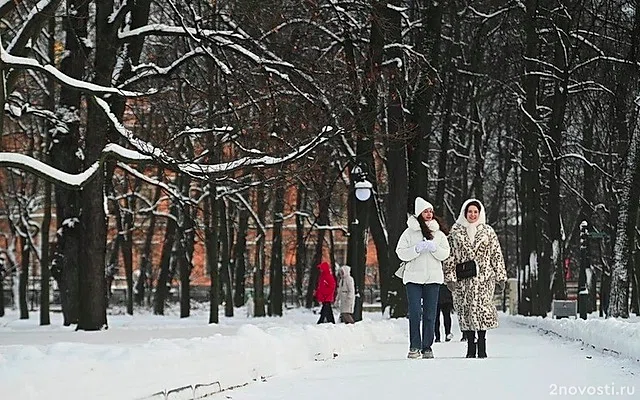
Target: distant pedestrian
(250, 306)
(346, 295)
(445, 306)
(474, 272)
(422, 246)
(325, 292)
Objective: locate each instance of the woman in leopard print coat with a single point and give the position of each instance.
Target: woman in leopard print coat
(472, 239)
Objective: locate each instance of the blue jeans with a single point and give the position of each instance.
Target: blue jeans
(423, 303)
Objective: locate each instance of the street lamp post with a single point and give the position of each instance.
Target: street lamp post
(362, 190)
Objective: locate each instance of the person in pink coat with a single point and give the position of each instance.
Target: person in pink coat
(325, 292)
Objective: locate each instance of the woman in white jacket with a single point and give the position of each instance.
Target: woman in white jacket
(423, 246)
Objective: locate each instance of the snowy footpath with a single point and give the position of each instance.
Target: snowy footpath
(146, 357)
(523, 364)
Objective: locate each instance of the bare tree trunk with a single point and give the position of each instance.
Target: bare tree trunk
(427, 41)
(625, 233)
(275, 270)
(165, 259)
(139, 17)
(332, 255)
(127, 250)
(212, 248)
(3, 99)
(588, 175)
(2, 272)
(64, 156)
(112, 265)
(397, 218)
(258, 274)
(450, 85)
(396, 164)
(478, 162)
(240, 250)
(45, 275)
(444, 142)
(124, 224)
(635, 298)
(379, 236)
(529, 182)
(477, 124)
(366, 120)
(2, 263)
(225, 264)
(184, 256)
(366, 116)
(301, 248)
(186, 236)
(629, 198)
(231, 265)
(24, 276)
(554, 216)
(589, 192)
(146, 259)
(93, 310)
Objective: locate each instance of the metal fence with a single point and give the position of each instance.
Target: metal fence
(190, 392)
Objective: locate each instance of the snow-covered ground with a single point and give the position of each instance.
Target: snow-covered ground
(292, 358)
(619, 336)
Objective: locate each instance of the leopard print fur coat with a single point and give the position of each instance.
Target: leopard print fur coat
(473, 297)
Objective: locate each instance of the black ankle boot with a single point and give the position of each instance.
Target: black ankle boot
(482, 344)
(471, 344)
(482, 348)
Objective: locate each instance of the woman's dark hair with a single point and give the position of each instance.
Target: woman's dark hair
(426, 232)
(472, 203)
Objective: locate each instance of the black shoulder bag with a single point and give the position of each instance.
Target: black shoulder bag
(466, 270)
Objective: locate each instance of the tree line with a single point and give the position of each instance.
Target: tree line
(210, 118)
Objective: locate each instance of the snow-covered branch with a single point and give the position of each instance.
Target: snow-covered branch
(6, 6)
(600, 58)
(71, 181)
(29, 63)
(199, 170)
(40, 13)
(173, 193)
(149, 70)
(494, 14)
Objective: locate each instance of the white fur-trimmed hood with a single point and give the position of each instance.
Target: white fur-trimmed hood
(462, 219)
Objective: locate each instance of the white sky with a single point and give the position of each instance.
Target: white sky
(292, 358)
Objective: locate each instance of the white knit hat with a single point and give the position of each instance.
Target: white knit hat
(421, 205)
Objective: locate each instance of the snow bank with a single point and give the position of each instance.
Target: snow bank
(614, 335)
(126, 369)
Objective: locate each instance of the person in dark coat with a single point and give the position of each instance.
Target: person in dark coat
(445, 305)
(325, 292)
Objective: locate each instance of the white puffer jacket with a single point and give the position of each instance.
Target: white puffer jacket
(423, 267)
